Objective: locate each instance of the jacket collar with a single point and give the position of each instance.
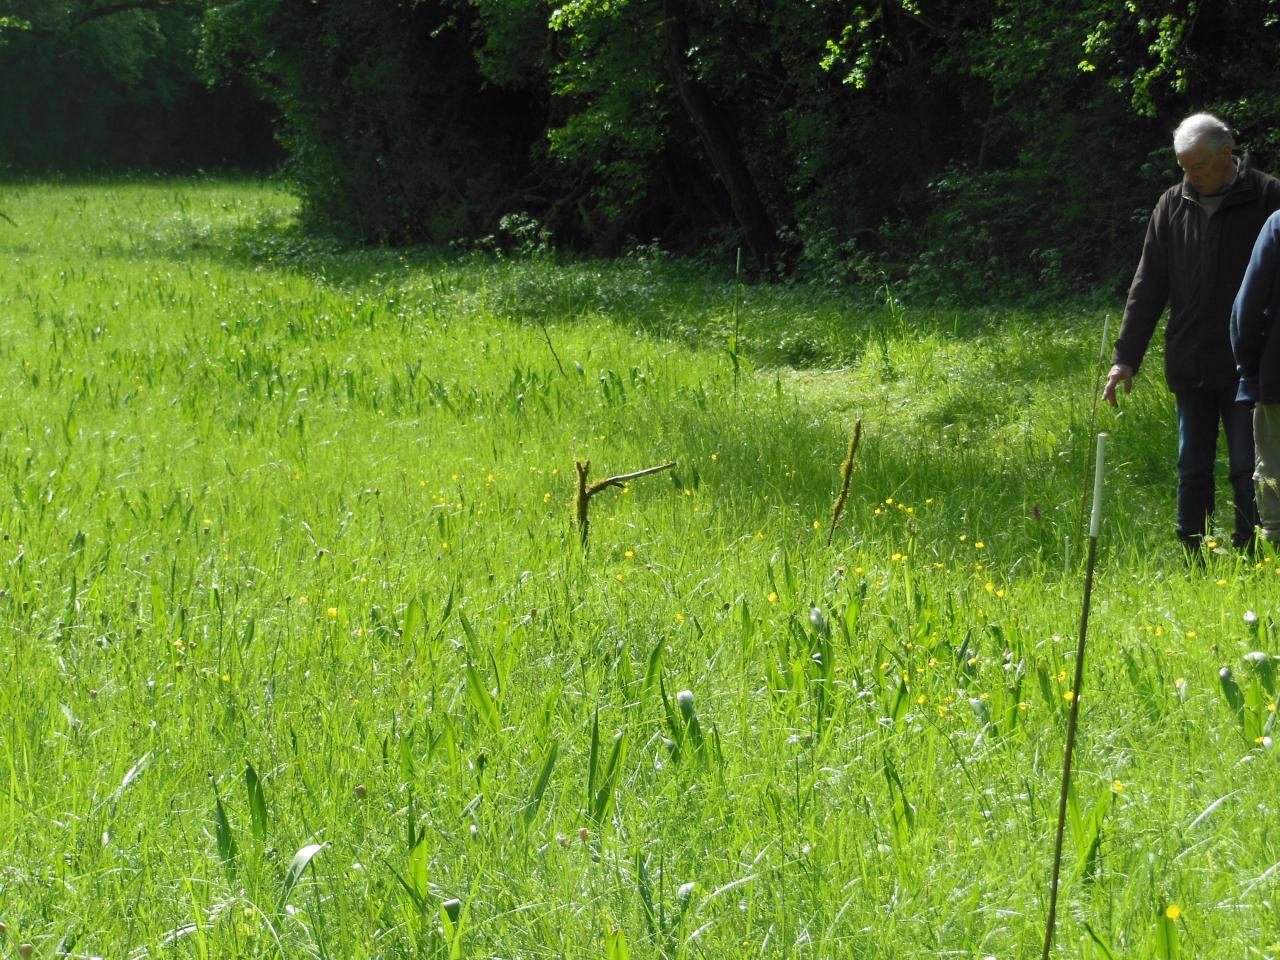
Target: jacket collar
(1241, 189)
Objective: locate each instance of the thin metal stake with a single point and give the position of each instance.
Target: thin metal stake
(1095, 521)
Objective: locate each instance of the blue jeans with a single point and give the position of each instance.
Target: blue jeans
(1199, 412)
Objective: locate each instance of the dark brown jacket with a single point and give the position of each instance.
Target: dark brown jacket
(1194, 262)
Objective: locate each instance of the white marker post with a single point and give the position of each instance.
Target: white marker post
(1095, 522)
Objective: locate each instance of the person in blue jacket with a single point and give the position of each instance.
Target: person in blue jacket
(1256, 345)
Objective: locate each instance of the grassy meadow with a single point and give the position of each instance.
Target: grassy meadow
(304, 658)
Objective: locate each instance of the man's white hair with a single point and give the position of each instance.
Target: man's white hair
(1201, 128)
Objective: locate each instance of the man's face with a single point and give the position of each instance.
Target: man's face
(1207, 169)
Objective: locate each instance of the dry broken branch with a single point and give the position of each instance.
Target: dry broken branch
(585, 492)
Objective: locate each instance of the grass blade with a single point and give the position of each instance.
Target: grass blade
(257, 803)
(540, 785)
(297, 866)
(222, 834)
(482, 700)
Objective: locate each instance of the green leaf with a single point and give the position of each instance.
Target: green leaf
(1166, 936)
(593, 757)
(654, 672)
(473, 641)
(602, 802)
(222, 831)
(415, 620)
(417, 873)
(297, 866)
(540, 785)
(748, 623)
(899, 704)
(257, 803)
(158, 616)
(405, 749)
(482, 700)
(615, 945)
(1107, 952)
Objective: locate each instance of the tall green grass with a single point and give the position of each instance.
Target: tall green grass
(303, 657)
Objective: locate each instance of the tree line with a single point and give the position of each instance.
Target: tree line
(972, 144)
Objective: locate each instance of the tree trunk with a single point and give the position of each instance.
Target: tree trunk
(717, 138)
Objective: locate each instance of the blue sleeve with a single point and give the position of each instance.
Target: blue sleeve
(1250, 318)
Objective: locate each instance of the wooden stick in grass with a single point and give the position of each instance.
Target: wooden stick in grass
(1073, 716)
(585, 492)
(846, 473)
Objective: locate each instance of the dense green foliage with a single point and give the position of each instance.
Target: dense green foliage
(113, 86)
(971, 148)
(303, 659)
(973, 144)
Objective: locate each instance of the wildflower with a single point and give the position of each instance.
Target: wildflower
(679, 618)
(922, 699)
(1069, 696)
(489, 478)
(1250, 618)
(226, 678)
(1220, 582)
(859, 570)
(928, 500)
(302, 600)
(332, 613)
(1159, 631)
(619, 577)
(990, 587)
(1000, 594)
(964, 537)
(1024, 706)
(979, 545)
(1191, 634)
(817, 524)
(629, 554)
(444, 545)
(1117, 786)
(715, 456)
(773, 596)
(546, 498)
(1211, 544)
(889, 501)
(1062, 675)
(1173, 912)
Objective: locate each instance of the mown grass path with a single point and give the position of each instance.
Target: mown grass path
(303, 658)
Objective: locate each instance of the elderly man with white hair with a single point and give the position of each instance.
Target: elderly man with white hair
(1198, 243)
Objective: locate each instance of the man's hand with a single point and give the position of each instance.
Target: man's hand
(1118, 372)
